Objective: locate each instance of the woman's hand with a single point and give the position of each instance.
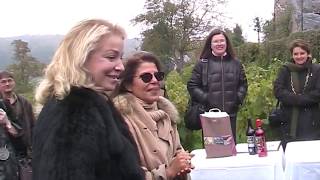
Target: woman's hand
(180, 164)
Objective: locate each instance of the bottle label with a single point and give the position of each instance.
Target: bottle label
(261, 146)
(259, 143)
(251, 145)
(250, 141)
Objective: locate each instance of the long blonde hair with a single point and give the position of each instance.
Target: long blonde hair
(67, 66)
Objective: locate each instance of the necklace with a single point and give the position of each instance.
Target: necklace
(305, 83)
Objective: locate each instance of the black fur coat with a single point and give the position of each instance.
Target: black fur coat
(82, 137)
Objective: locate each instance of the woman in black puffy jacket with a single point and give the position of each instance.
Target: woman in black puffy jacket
(227, 83)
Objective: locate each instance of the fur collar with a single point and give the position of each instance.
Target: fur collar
(126, 102)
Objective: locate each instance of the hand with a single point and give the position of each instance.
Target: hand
(180, 164)
(3, 118)
(4, 121)
(190, 166)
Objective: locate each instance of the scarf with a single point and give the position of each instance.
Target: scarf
(153, 127)
(160, 117)
(299, 76)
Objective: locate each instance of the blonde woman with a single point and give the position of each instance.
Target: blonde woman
(79, 135)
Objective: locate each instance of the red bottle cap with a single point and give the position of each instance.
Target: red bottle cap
(259, 122)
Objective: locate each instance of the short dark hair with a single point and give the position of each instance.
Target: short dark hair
(6, 74)
(301, 44)
(132, 64)
(206, 51)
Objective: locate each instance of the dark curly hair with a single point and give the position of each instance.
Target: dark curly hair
(131, 65)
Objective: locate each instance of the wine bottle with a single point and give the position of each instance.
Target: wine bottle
(251, 138)
(260, 139)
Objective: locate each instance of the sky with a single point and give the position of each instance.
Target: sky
(46, 17)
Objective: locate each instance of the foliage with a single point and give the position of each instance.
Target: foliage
(258, 103)
(257, 26)
(260, 99)
(277, 49)
(250, 52)
(280, 27)
(262, 54)
(177, 90)
(174, 27)
(26, 68)
(268, 30)
(157, 42)
(311, 36)
(42, 47)
(236, 36)
(280, 48)
(29, 96)
(178, 94)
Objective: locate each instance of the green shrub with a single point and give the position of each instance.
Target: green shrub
(258, 103)
(260, 99)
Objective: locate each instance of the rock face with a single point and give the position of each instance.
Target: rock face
(305, 15)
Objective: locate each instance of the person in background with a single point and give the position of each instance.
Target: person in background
(163, 90)
(19, 121)
(152, 119)
(79, 135)
(227, 83)
(297, 87)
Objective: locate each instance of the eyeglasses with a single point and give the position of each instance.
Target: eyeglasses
(147, 77)
(5, 81)
(222, 41)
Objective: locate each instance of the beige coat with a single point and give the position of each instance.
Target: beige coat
(154, 129)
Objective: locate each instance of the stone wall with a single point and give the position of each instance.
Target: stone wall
(309, 14)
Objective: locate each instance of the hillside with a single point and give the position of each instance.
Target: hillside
(43, 46)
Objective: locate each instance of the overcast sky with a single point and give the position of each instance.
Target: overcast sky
(42, 17)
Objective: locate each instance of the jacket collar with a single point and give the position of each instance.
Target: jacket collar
(125, 103)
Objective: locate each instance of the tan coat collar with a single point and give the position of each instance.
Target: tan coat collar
(125, 104)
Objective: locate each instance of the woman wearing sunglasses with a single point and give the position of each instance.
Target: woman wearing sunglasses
(152, 119)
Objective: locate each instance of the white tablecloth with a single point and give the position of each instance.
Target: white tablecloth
(240, 167)
(302, 160)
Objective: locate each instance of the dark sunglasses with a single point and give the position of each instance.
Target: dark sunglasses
(147, 77)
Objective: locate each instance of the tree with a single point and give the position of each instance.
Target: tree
(238, 38)
(156, 41)
(236, 35)
(269, 30)
(280, 27)
(257, 26)
(25, 67)
(174, 27)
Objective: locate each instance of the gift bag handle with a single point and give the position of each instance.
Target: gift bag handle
(214, 110)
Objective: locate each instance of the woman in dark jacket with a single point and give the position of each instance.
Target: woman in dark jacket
(227, 83)
(79, 134)
(297, 87)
